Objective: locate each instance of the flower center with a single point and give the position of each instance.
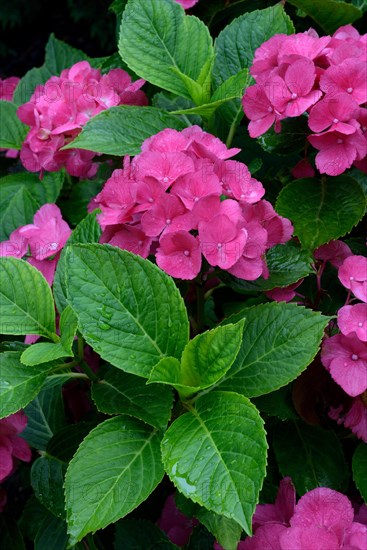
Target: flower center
(355, 357)
(165, 179)
(219, 245)
(349, 90)
(186, 253)
(294, 95)
(52, 246)
(351, 278)
(270, 109)
(168, 221)
(150, 199)
(360, 324)
(336, 120)
(339, 141)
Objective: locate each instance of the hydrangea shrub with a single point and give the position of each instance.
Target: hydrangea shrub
(183, 274)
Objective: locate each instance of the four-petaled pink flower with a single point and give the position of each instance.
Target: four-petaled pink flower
(179, 255)
(345, 357)
(353, 275)
(353, 319)
(338, 151)
(11, 445)
(335, 252)
(354, 418)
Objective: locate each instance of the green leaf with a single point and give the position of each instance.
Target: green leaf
(129, 311)
(125, 469)
(226, 531)
(58, 56)
(123, 393)
(42, 191)
(87, 231)
(44, 351)
(232, 87)
(311, 456)
(291, 139)
(51, 534)
(153, 41)
(10, 535)
(277, 403)
(135, 534)
(329, 14)
(170, 102)
(18, 384)
(359, 467)
(322, 209)
(204, 361)
(18, 211)
(287, 263)
(215, 454)
(122, 130)
(236, 45)
(279, 341)
(26, 301)
(64, 444)
(47, 478)
(12, 131)
(201, 539)
(361, 4)
(45, 414)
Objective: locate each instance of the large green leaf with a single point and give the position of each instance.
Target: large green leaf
(87, 231)
(311, 456)
(322, 209)
(236, 45)
(19, 210)
(227, 532)
(42, 190)
(279, 341)
(122, 393)
(12, 131)
(204, 361)
(64, 444)
(26, 301)
(287, 263)
(329, 14)
(154, 40)
(215, 454)
(47, 478)
(45, 351)
(129, 311)
(116, 468)
(122, 130)
(359, 467)
(45, 413)
(58, 56)
(18, 384)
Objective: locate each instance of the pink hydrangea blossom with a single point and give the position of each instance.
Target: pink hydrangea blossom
(259, 109)
(59, 109)
(353, 319)
(345, 357)
(353, 275)
(182, 198)
(354, 418)
(174, 523)
(11, 445)
(338, 151)
(322, 519)
(334, 252)
(333, 113)
(349, 77)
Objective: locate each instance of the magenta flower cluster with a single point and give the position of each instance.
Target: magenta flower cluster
(344, 355)
(181, 199)
(322, 519)
(12, 446)
(59, 109)
(324, 78)
(41, 242)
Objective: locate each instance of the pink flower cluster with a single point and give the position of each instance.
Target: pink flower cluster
(322, 519)
(7, 89)
(323, 77)
(59, 109)
(11, 445)
(182, 199)
(39, 243)
(344, 355)
(187, 4)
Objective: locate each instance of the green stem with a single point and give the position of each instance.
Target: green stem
(88, 371)
(69, 365)
(231, 134)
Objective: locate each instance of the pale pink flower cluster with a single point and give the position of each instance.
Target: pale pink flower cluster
(39, 243)
(344, 355)
(323, 77)
(59, 109)
(12, 446)
(169, 201)
(322, 519)
(7, 89)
